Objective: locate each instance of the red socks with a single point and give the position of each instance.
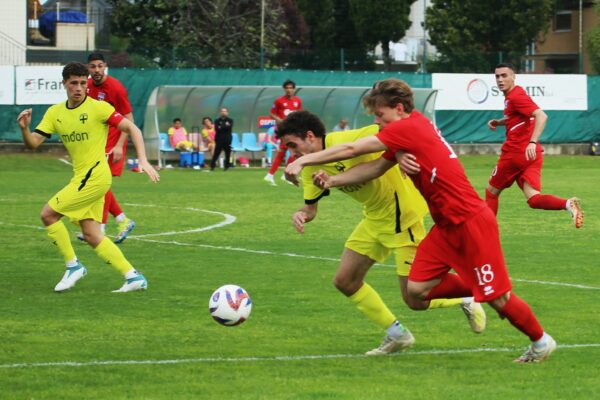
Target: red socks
(277, 161)
(115, 208)
(108, 198)
(451, 286)
(521, 317)
(546, 202)
(110, 205)
(492, 201)
(541, 201)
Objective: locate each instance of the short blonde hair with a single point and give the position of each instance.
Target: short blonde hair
(389, 93)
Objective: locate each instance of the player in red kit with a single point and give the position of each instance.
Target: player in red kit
(465, 235)
(106, 88)
(282, 106)
(521, 156)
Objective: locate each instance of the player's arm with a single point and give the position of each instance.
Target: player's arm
(32, 140)
(494, 123)
(343, 151)
(540, 123)
(275, 117)
(132, 130)
(361, 173)
(304, 215)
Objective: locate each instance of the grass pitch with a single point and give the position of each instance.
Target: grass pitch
(304, 340)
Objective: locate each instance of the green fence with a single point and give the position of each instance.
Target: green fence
(457, 126)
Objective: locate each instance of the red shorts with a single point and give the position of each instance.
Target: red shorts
(513, 167)
(116, 169)
(114, 134)
(472, 249)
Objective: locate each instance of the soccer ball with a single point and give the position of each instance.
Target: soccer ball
(230, 305)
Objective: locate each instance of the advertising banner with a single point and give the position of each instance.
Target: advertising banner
(265, 122)
(479, 91)
(7, 84)
(40, 85)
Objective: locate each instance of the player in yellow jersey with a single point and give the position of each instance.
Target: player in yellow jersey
(82, 124)
(393, 212)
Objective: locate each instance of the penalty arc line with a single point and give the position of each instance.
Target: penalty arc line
(275, 358)
(273, 253)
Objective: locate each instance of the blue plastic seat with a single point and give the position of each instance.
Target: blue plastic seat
(236, 145)
(249, 142)
(165, 147)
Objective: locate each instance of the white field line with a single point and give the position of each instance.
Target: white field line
(64, 160)
(273, 253)
(229, 219)
(275, 358)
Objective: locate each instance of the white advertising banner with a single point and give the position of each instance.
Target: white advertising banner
(7, 84)
(40, 85)
(479, 91)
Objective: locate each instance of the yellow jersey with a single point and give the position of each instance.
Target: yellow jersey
(391, 201)
(83, 131)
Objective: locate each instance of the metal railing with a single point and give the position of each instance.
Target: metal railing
(11, 51)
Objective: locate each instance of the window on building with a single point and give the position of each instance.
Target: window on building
(562, 21)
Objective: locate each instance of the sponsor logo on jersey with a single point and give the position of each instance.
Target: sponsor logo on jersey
(75, 137)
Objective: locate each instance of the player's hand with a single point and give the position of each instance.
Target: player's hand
(299, 219)
(493, 124)
(322, 180)
(117, 153)
(24, 118)
(408, 163)
(293, 170)
(146, 167)
(530, 152)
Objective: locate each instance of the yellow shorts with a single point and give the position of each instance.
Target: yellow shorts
(84, 203)
(185, 144)
(378, 246)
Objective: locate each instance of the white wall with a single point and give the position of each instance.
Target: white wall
(13, 32)
(13, 20)
(410, 48)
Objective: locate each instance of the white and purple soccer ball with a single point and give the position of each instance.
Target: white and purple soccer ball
(230, 305)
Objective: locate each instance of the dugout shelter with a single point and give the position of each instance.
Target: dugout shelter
(247, 104)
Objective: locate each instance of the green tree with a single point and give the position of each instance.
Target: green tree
(331, 29)
(199, 33)
(594, 45)
(470, 34)
(382, 22)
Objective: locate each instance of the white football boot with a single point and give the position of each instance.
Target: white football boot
(71, 276)
(393, 344)
(536, 355)
(138, 282)
(475, 314)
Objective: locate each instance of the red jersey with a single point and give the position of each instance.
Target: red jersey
(113, 92)
(518, 107)
(284, 105)
(442, 180)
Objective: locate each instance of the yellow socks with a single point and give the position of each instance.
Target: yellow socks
(367, 300)
(110, 253)
(443, 303)
(59, 235)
